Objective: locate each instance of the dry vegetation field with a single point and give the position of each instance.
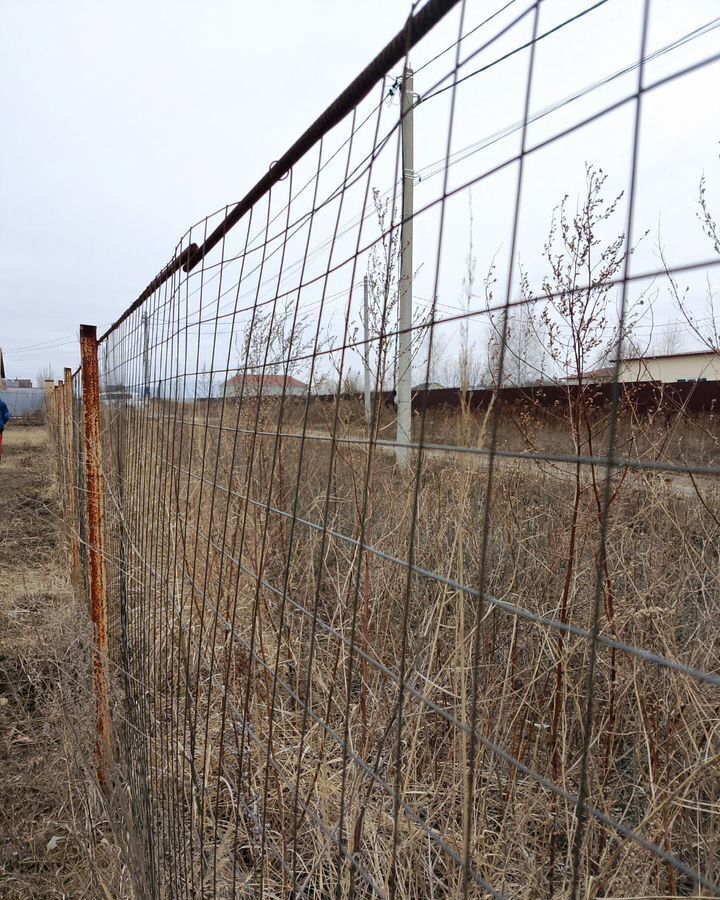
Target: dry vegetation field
(55, 841)
(259, 624)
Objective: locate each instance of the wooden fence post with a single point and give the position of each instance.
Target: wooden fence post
(71, 475)
(96, 552)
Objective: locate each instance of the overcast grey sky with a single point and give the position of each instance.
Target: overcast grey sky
(124, 123)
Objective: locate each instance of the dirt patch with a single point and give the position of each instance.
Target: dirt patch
(55, 840)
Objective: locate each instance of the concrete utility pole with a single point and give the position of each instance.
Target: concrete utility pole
(366, 355)
(146, 354)
(403, 375)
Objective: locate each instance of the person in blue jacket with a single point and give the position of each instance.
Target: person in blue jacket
(4, 419)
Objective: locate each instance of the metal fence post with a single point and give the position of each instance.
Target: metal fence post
(71, 477)
(96, 553)
(56, 408)
(56, 427)
(50, 411)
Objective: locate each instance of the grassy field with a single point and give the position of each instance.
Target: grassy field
(55, 841)
(247, 591)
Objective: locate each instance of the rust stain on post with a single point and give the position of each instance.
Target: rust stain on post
(71, 476)
(96, 553)
(50, 406)
(57, 407)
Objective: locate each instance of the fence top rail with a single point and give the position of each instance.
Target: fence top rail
(416, 27)
(167, 272)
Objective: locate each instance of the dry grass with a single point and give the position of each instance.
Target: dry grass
(55, 841)
(200, 557)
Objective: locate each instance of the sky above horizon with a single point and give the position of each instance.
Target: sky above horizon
(126, 123)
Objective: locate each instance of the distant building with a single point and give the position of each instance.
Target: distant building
(604, 374)
(669, 368)
(116, 393)
(428, 386)
(672, 367)
(265, 385)
(11, 383)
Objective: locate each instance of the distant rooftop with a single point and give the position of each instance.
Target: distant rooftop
(668, 355)
(267, 380)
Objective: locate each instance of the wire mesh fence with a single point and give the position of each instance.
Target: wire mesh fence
(361, 644)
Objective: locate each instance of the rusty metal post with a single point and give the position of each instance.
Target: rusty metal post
(96, 553)
(50, 409)
(55, 427)
(71, 475)
(56, 406)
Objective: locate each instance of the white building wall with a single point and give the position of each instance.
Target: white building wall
(672, 368)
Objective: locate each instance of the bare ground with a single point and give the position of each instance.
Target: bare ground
(55, 841)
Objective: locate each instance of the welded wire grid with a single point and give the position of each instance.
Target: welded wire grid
(480, 662)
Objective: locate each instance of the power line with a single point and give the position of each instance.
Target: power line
(464, 36)
(514, 51)
(437, 167)
(50, 342)
(434, 168)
